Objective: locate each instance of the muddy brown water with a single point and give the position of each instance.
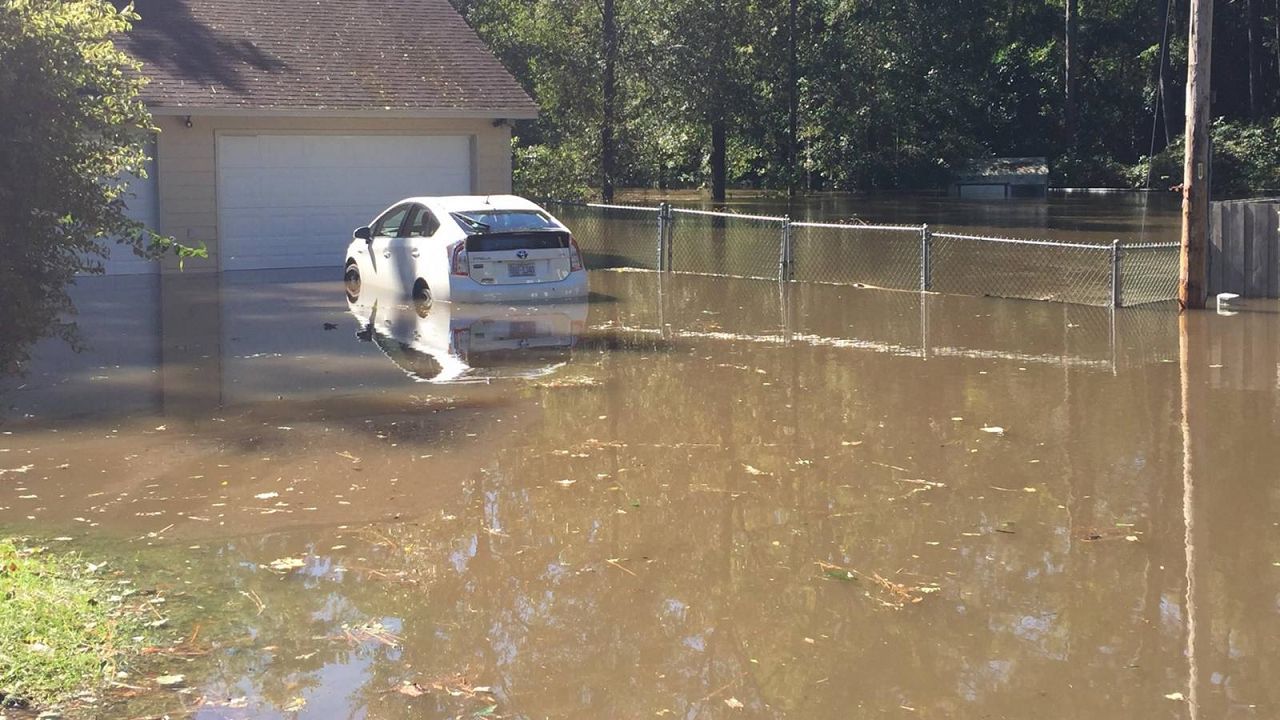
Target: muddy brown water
(693, 497)
(1081, 216)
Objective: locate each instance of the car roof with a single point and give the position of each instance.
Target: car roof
(473, 203)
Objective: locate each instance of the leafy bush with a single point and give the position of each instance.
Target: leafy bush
(552, 171)
(1084, 169)
(1246, 160)
(74, 130)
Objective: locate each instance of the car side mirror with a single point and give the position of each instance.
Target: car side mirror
(363, 233)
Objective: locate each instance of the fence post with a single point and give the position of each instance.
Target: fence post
(926, 258)
(662, 236)
(1117, 278)
(784, 251)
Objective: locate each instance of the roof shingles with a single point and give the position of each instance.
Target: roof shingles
(320, 56)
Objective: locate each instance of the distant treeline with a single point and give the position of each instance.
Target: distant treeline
(870, 95)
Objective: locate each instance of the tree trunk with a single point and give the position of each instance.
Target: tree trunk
(1253, 19)
(718, 156)
(718, 99)
(793, 102)
(608, 149)
(1195, 180)
(1070, 109)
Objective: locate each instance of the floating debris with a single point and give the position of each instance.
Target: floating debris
(171, 681)
(288, 564)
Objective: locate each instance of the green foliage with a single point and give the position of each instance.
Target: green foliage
(1246, 160)
(890, 95)
(60, 632)
(74, 131)
(552, 171)
(1084, 169)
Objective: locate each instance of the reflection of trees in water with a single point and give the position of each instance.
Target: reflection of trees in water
(36, 306)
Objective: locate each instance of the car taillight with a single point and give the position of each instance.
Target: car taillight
(461, 339)
(575, 257)
(458, 259)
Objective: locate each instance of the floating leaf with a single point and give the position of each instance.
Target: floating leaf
(734, 703)
(286, 564)
(411, 689)
(171, 681)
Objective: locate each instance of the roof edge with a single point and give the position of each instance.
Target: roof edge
(390, 113)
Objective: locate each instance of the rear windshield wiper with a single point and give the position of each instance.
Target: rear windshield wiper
(474, 223)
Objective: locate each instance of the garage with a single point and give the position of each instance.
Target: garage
(290, 201)
(141, 206)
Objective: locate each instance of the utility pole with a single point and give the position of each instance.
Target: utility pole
(1195, 177)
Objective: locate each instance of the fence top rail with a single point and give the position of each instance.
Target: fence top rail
(736, 216)
(1150, 245)
(1247, 201)
(854, 226)
(1018, 241)
(606, 206)
(602, 206)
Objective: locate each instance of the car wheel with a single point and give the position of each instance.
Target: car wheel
(351, 279)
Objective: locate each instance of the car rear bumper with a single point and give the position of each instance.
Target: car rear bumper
(462, 289)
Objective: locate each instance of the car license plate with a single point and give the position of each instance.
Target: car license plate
(520, 269)
(523, 330)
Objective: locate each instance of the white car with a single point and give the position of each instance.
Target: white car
(496, 248)
(461, 342)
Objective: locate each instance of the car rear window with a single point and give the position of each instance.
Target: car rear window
(508, 220)
(522, 241)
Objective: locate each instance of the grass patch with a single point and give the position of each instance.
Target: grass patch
(65, 627)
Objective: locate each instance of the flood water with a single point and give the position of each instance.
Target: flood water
(1070, 217)
(691, 497)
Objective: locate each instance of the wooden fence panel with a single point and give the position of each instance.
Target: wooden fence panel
(1273, 267)
(1244, 248)
(1216, 258)
(1233, 236)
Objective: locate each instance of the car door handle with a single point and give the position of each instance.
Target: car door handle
(386, 254)
(415, 252)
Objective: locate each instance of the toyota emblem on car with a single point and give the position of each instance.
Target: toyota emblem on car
(522, 254)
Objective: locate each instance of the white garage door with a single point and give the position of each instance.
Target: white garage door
(142, 206)
(287, 201)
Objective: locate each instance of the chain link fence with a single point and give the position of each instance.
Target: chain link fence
(887, 256)
(1028, 269)
(900, 257)
(613, 236)
(712, 243)
(1148, 273)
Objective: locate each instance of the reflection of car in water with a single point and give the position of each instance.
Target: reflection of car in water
(460, 342)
